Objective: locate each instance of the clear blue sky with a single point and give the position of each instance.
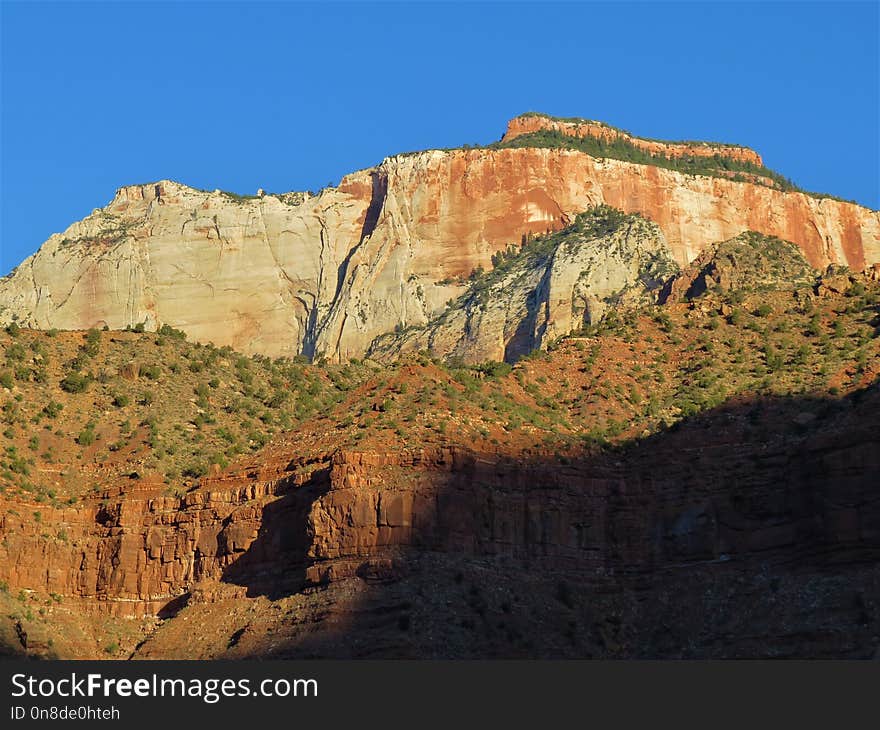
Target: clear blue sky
(292, 96)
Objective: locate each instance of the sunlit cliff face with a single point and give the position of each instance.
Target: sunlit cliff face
(327, 274)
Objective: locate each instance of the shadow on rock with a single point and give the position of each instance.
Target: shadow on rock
(275, 562)
(752, 530)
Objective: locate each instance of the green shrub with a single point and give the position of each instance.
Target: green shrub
(15, 352)
(494, 369)
(93, 341)
(75, 382)
(168, 331)
(151, 372)
(86, 437)
(774, 360)
(52, 409)
(802, 355)
(195, 470)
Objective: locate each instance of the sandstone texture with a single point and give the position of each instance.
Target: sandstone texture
(710, 541)
(325, 275)
(531, 123)
(553, 286)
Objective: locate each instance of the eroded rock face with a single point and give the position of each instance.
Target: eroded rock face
(246, 273)
(140, 553)
(327, 274)
(551, 287)
(736, 543)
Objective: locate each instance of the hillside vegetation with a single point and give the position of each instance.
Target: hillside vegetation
(748, 344)
(84, 412)
(82, 409)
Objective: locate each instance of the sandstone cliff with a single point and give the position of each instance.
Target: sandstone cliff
(327, 274)
(139, 553)
(689, 544)
(531, 123)
(552, 286)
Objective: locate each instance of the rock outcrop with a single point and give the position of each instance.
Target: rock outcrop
(552, 286)
(747, 261)
(682, 533)
(387, 248)
(531, 123)
(139, 553)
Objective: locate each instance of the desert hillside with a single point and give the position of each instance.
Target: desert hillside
(690, 476)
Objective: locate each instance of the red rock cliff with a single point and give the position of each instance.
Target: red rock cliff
(685, 512)
(530, 123)
(327, 274)
(471, 202)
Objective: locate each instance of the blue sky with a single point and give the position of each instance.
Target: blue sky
(293, 96)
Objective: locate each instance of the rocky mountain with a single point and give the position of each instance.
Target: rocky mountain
(692, 479)
(574, 394)
(326, 274)
(749, 260)
(551, 286)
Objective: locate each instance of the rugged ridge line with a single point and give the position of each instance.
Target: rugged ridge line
(531, 123)
(325, 275)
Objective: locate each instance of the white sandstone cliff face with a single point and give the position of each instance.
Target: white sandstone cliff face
(587, 277)
(555, 285)
(327, 274)
(251, 273)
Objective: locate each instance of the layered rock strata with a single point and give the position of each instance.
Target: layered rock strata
(387, 248)
(549, 288)
(581, 128)
(699, 524)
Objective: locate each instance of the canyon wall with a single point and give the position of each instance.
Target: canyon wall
(387, 248)
(138, 553)
(710, 526)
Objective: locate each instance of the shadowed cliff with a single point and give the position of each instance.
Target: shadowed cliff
(752, 530)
